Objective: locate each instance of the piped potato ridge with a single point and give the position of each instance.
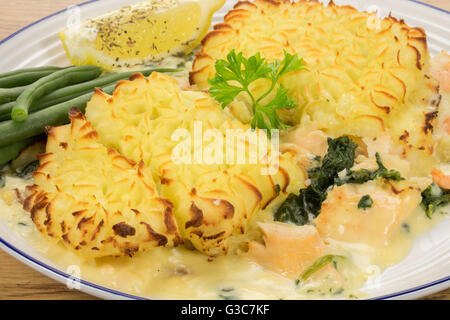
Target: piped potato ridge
(364, 76)
(97, 201)
(111, 176)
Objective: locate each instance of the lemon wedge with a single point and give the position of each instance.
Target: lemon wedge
(139, 33)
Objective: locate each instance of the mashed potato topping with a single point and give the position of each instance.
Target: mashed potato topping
(364, 75)
(94, 200)
(140, 190)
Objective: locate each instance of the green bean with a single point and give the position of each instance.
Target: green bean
(10, 94)
(45, 85)
(5, 109)
(99, 82)
(26, 70)
(11, 151)
(25, 77)
(71, 92)
(12, 131)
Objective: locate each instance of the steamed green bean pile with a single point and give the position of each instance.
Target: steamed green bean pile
(32, 99)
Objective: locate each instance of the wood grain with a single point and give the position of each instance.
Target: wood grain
(17, 281)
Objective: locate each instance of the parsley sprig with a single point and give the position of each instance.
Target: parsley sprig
(244, 71)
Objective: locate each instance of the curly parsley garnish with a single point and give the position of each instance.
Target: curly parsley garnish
(235, 74)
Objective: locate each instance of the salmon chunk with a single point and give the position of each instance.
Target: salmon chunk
(342, 220)
(288, 250)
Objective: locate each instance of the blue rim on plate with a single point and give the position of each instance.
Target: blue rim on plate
(129, 296)
(65, 275)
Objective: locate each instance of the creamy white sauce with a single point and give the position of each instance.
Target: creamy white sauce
(179, 273)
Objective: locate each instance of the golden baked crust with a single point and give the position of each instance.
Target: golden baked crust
(96, 201)
(364, 76)
(211, 201)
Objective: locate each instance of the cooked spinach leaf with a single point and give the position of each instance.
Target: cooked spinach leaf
(190, 57)
(364, 175)
(406, 227)
(318, 264)
(300, 208)
(2, 180)
(29, 168)
(434, 197)
(226, 293)
(293, 210)
(340, 156)
(227, 297)
(297, 208)
(336, 291)
(365, 202)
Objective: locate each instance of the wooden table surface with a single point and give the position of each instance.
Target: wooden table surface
(18, 281)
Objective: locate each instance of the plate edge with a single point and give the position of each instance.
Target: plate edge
(36, 263)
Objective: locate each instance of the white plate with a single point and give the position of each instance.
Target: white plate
(427, 268)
